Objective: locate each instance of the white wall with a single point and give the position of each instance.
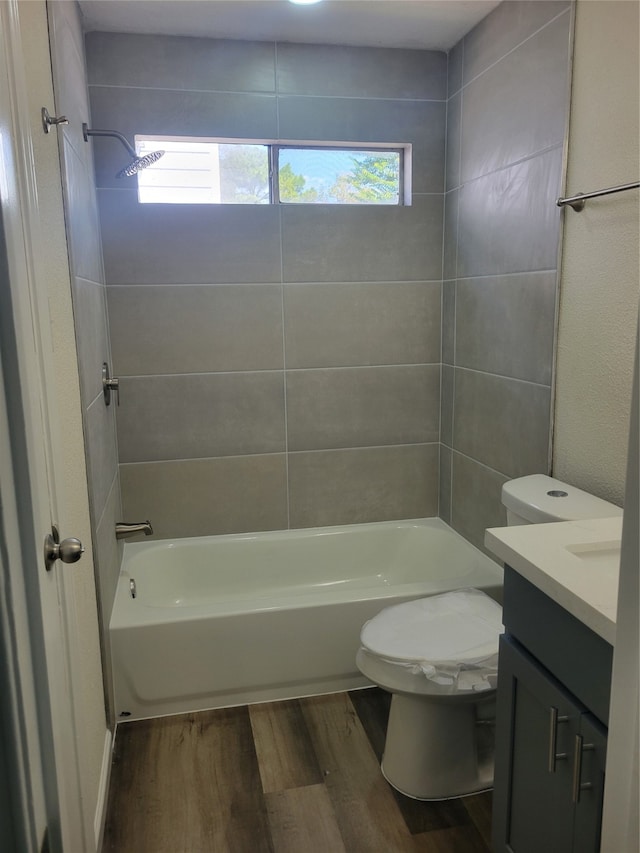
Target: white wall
(599, 282)
(596, 344)
(621, 802)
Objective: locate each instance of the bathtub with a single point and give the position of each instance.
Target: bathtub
(236, 619)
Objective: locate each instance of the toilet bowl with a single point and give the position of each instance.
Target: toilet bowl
(438, 657)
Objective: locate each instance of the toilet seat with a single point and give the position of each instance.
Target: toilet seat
(451, 640)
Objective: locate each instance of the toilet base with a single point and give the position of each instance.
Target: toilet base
(437, 750)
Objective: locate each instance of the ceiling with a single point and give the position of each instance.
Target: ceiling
(423, 24)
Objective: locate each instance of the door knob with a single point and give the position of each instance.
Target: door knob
(49, 121)
(69, 550)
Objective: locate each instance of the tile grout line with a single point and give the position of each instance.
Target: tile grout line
(442, 270)
(455, 287)
(269, 94)
(502, 376)
(513, 49)
(303, 142)
(276, 83)
(433, 443)
(475, 461)
(339, 367)
(327, 283)
(524, 159)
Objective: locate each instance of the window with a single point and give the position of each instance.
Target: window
(207, 171)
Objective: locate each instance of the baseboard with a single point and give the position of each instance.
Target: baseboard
(103, 791)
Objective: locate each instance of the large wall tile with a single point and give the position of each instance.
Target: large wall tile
(204, 497)
(68, 12)
(372, 484)
(503, 423)
(446, 402)
(199, 415)
(368, 243)
(83, 227)
(506, 325)
(454, 127)
(508, 221)
(195, 329)
(503, 29)
(69, 74)
(519, 106)
(444, 498)
(174, 62)
(421, 123)
(448, 321)
(102, 454)
(476, 501)
(108, 552)
(454, 69)
(92, 336)
(363, 72)
(331, 325)
(107, 556)
(450, 248)
(162, 112)
(187, 243)
(357, 407)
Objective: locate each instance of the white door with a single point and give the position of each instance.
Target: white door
(35, 487)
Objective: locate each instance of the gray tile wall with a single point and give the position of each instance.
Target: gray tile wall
(280, 366)
(90, 309)
(507, 110)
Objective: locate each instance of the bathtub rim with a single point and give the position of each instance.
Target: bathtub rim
(145, 615)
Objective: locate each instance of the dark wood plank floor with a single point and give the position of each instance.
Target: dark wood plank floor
(287, 777)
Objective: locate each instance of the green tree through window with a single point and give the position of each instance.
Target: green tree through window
(244, 174)
(374, 179)
(292, 187)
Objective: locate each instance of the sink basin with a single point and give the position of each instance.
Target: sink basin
(575, 563)
(597, 555)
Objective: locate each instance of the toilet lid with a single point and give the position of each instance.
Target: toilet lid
(461, 626)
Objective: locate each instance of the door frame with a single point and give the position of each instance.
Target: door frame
(44, 712)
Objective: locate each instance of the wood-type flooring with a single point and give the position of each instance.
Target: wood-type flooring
(299, 776)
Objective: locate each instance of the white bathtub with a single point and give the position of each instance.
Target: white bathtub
(229, 620)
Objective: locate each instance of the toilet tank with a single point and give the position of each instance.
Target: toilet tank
(537, 499)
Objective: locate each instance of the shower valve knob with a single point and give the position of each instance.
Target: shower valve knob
(109, 384)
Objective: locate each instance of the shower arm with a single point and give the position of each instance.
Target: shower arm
(87, 132)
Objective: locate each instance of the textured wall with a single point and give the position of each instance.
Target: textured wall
(599, 291)
(280, 365)
(506, 119)
(89, 307)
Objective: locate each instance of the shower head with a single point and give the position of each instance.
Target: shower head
(137, 164)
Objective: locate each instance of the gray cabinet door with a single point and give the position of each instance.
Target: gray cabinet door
(590, 754)
(537, 722)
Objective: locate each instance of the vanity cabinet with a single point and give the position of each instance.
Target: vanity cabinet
(553, 700)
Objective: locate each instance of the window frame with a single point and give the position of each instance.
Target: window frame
(274, 147)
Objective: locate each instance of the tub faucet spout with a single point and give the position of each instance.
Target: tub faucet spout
(123, 529)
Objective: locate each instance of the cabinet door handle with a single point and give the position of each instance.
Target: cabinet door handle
(554, 756)
(578, 785)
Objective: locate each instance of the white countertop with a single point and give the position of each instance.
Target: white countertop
(575, 563)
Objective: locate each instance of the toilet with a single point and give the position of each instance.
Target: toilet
(438, 657)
